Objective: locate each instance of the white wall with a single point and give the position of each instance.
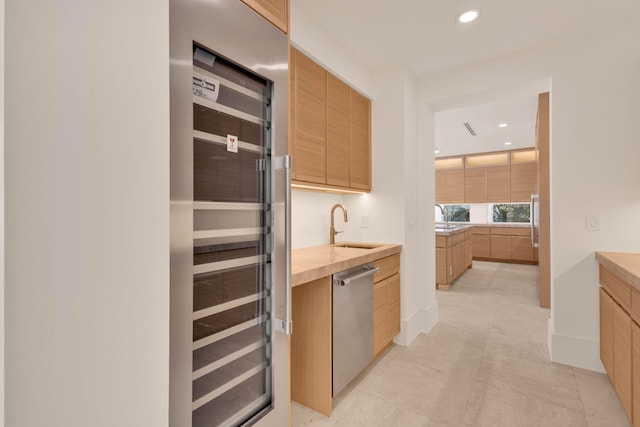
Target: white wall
(594, 155)
(2, 311)
(87, 218)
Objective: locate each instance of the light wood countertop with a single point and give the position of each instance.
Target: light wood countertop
(623, 264)
(311, 263)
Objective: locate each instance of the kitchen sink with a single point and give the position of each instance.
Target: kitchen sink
(356, 245)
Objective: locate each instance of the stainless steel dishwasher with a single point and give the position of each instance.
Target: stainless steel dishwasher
(352, 323)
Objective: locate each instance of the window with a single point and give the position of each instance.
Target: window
(509, 212)
(457, 213)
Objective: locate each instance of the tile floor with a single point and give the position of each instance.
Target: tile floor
(484, 364)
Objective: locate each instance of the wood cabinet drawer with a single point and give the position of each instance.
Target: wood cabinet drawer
(511, 231)
(619, 290)
(481, 230)
(456, 238)
(388, 267)
(441, 241)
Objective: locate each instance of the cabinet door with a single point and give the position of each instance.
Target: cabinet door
(274, 11)
(524, 181)
(636, 373)
(380, 316)
(521, 249)
(360, 159)
(475, 185)
(468, 252)
(441, 187)
(622, 357)
(393, 307)
(310, 127)
(441, 266)
(501, 247)
(498, 184)
(455, 186)
(606, 332)
(481, 244)
(337, 132)
(458, 259)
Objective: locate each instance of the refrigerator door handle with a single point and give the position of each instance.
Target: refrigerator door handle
(534, 202)
(285, 325)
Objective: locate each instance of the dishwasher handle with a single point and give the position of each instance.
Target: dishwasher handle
(345, 281)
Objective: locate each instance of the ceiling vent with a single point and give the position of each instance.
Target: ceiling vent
(470, 129)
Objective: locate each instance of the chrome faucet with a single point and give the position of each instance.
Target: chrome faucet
(332, 230)
(445, 213)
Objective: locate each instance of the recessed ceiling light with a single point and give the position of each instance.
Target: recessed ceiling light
(468, 16)
(436, 151)
(507, 143)
(503, 125)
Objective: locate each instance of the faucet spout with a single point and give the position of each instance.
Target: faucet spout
(332, 230)
(445, 212)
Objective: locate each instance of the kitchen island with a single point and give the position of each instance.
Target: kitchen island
(453, 253)
(312, 339)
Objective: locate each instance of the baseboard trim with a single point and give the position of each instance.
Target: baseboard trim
(421, 322)
(576, 352)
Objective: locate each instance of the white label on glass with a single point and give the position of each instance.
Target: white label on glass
(232, 143)
(205, 87)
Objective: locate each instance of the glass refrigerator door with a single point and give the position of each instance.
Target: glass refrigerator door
(232, 242)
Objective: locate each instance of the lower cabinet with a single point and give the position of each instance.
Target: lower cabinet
(453, 257)
(620, 347)
(312, 340)
(386, 302)
(510, 244)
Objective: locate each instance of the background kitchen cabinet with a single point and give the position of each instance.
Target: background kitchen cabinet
(475, 185)
(498, 184)
(504, 244)
(501, 247)
(524, 175)
(453, 257)
(330, 128)
(481, 242)
(521, 249)
(274, 11)
(450, 186)
(309, 143)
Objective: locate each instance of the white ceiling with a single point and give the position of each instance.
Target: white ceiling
(423, 37)
(517, 110)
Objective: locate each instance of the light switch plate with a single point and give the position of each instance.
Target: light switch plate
(592, 223)
(365, 222)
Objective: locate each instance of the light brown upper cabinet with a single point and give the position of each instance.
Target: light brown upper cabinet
(309, 143)
(524, 175)
(485, 178)
(450, 180)
(508, 176)
(360, 159)
(274, 11)
(338, 132)
(330, 128)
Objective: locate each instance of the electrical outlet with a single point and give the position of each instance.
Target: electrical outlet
(364, 222)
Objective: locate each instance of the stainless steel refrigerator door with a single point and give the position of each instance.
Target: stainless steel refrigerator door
(235, 32)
